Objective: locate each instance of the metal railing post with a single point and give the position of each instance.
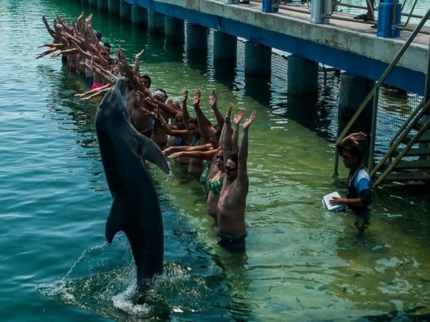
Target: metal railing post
(317, 11)
(427, 84)
(394, 19)
(320, 9)
(373, 129)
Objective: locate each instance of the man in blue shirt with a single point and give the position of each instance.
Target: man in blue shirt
(359, 184)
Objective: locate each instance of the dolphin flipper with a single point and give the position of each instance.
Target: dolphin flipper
(152, 153)
(116, 219)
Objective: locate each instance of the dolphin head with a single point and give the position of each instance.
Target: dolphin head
(114, 100)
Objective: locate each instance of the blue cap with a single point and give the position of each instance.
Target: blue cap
(98, 34)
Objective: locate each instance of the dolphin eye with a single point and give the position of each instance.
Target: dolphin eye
(100, 106)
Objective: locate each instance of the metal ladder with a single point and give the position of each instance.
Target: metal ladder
(393, 166)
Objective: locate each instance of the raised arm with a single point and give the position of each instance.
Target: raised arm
(185, 113)
(206, 129)
(128, 71)
(226, 135)
(197, 148)
(353, 137)
(51, 31)
(168, 109)
(169, 130)
(235, 138)
(242, 169)
(202, 155)
(213, 103)
(136, 62)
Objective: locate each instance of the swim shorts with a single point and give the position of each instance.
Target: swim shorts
(234, 243)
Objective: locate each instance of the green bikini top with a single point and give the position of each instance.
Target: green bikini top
(216, 186)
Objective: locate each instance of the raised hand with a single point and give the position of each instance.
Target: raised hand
(359, 136)
(80, 16)
(168, 151)
(140, 53)
(197, 97)
(238, 117)
(185, 96)
(213, 100)
(228, 114)
(249, 120)
(88, 19)
(175, 155)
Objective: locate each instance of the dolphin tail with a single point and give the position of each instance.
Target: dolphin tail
(152, 153)
(115, 221)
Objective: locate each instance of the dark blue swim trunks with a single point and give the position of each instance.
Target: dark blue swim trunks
(234, 243)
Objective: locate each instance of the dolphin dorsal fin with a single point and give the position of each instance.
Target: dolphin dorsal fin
(115, 221)
(152, 153)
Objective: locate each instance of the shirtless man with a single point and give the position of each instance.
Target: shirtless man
(159, 134)
(140, 119)
(232, 200)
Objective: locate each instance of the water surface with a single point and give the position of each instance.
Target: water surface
(302, 263)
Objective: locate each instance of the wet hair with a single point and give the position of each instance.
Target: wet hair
(148, 78)
(233, 157)
(107, 44)
(354, 150)
(175, 103)
(164, 92)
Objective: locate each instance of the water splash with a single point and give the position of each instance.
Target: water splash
(113, 293)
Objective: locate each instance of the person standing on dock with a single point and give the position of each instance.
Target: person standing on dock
(369, 15)
(359, 184)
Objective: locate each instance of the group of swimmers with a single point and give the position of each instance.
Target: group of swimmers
(212, 152)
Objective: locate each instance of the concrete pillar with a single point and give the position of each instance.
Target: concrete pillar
(102, 4)
(92, 3)
(197, 37)
(124, 10)
(258, 59)
(139, 15)
(156, 22)
(225, 46)
(174, 29)
(302, 75)
(113, 6)
(353, 90)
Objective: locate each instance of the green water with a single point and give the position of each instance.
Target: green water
(301, 264)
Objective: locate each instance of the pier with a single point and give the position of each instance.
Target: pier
(393, 54)
(344, 44)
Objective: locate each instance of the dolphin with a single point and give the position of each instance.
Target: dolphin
(135, 208)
